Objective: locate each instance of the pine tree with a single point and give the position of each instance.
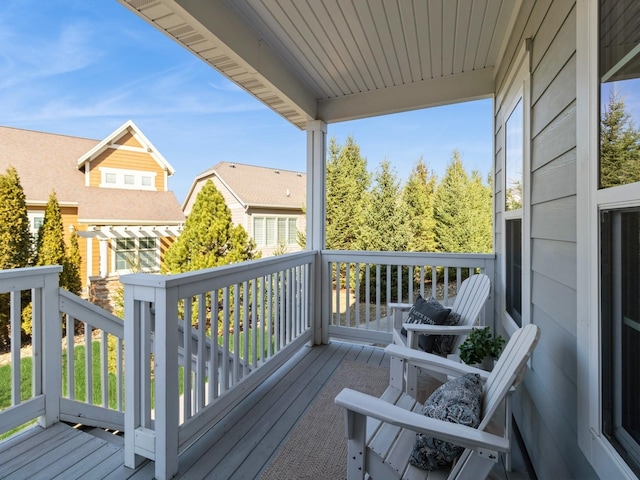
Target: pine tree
(385, 226)
(451, 209)
(619, 145)
(15, 238)
(480, 205)
(418, 197)
(347, 183)
(209, 238)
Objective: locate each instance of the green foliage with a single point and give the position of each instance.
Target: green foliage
(619, 145)
(15, 238)
(51, 249)
(384, 227)
(462, 211)
(347, 185)
(71, 271)
(418, 196)
(479, 344)
(209, 238)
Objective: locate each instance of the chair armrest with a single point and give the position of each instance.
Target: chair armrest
(438, 329)
(433, 363)
(462, 435)
(399, 306)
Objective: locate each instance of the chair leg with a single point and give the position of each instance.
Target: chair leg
(356, 444)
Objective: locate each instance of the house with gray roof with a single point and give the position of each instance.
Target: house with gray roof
(267, 202)
(113, 192)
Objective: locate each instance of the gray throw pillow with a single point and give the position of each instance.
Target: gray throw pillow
(426, 312)
(442, 344)
(456, 401)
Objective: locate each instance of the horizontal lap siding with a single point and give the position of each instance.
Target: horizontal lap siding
(126, 160)
(545, 409)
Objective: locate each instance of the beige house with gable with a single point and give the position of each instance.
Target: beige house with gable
(267, 202)
(113, 191)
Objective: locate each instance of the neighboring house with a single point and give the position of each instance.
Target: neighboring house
(113, 191)
(267, 202)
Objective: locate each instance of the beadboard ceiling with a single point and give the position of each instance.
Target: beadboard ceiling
(337, 60)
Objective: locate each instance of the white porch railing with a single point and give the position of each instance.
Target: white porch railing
(50, 399)
(183, 376)
(360, 284)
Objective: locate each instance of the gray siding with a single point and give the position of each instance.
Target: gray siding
(545, 408)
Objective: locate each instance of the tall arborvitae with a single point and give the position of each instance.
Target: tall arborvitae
(384, 228)
(347, 183)
(51, 249)
(480, 205)
(15, 238)
(209, 238)
(619, 145)
(71, 272)
(417, 197)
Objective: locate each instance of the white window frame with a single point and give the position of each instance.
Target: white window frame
(276, 220)
(32, 217)
(602, 456)
(114, 244)
(121, 174)
(518, 88)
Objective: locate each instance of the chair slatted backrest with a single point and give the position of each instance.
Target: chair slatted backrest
(508, 370)
(469, 301)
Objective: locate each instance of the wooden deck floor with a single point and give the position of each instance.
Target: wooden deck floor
(239, 447)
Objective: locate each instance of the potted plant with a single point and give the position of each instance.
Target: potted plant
(481, 348)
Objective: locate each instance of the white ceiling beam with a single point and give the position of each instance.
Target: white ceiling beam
(240, 43)
(428, 93)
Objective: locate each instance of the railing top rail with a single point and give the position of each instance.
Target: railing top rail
(406, 258)
(224, 275)
(29, 271)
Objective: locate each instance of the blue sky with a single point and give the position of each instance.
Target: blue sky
(83, 68)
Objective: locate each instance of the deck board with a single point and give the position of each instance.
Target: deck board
(240, 446)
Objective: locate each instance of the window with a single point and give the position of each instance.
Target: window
(620, 317)
(618, 203)
(136, 254)
(36, 219)
(133, 179)
(274, 231)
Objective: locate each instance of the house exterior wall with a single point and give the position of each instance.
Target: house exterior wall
(545, 405)
(126, 160)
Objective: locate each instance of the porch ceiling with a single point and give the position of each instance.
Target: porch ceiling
(337, 60)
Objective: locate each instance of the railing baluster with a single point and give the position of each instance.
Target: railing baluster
(71, 370)
(14, 312)
(254, 321)
(246, 327)
(186, 360)
(119, 374)
(104, 369)
(272, 332)
(36, 340)
(225, 339)
(214, 374)
(237, 333)
(88, 363)
(347, 286)
(201, 358)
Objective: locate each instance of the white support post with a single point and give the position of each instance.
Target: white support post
(316, 213)
(166, 383)
(133, 378)
(51, 348)
(104, 258)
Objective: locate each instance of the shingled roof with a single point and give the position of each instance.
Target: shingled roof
(256, 186)
(46, 162)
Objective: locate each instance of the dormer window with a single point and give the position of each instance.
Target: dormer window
(132, 179)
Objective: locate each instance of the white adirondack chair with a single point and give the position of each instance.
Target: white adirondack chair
(381, 431)
(470, 299)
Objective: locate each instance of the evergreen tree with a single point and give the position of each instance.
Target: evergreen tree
(347, 183)
(480, 205)
(619, 145)
(51, 249)
(71, 271)
(385, 226)
(209, 238)
(15, 238)
(452, 209)
(418, 197)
